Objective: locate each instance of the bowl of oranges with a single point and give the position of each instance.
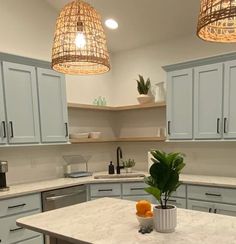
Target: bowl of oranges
(144, 213)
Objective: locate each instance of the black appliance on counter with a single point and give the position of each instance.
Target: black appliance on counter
(3, 171)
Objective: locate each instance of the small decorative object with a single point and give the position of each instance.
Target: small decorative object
(217, 21)
(144, 214)
(163, 181)
(160, 93)
(79, 46)
(143, 89)
(129, 164)
(100, 101)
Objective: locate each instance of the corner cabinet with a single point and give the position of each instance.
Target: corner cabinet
(179, 112)
(52, 106)
(21, 103)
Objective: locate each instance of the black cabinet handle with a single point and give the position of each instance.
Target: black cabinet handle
(168, 128)
(17, 206)
(212, 194)
(67, 132)
(172, 200)
(210, 209)
(218, 126)
(215, 210)
(16, 229)
(101, 190)
(4, 129)
(225, 125)
(11, 129)
(137, 189)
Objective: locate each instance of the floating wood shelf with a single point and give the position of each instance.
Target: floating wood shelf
(117, 108)
(124, 139)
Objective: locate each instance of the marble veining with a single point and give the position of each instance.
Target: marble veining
(24, 189)
(113, 221)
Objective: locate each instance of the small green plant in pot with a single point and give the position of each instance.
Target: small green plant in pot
(143, 89)
(128, 165)
(163, 181)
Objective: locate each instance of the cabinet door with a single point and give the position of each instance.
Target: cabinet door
(230, 100)
(201, 206)
(21, 103)
(3, 130)
(178, 202)
(225, 209)
(208, 98)
(52, 106)
(179, 104)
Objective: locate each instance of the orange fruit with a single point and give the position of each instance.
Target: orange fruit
(142, 207)
(149, 214)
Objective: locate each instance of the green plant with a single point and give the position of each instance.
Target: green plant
(143, 87)
(164, 175)
(129, 163)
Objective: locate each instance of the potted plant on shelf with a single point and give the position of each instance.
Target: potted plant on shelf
(128, 165)
(143, 89)
(163, 181)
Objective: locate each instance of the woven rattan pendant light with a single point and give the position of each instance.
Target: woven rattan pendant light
(79, 45)
(217, 21)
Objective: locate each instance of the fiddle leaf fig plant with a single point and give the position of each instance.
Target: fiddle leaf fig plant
(164, 175)
(143, 86)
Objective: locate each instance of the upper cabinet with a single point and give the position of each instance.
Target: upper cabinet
(208, 98)
(212, 116)
(33, 106)
(52, 106)
(21, 103)
(179, 113)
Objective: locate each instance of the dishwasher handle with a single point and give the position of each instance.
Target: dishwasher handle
(59, 197)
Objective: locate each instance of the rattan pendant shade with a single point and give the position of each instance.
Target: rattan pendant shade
(217, 21)
(80, 21)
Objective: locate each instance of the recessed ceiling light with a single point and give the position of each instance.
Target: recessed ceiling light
(111, 24)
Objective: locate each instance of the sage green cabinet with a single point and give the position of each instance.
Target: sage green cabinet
(21, 103)
(52, 106)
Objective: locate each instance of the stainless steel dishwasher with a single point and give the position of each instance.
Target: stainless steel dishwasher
(62, 198)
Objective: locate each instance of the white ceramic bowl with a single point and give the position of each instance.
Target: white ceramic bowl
(145, 221)
(79, 135)
(95, 135)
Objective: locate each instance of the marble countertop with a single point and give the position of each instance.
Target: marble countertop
(113, 221)
(46, 185)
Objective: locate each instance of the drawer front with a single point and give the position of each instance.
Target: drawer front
(11, 233)
(20, 204)
(140, 197)
(180, 192)
(36, 240)
(134, 188)
(178, 202)
(212, 194)
(105, 190)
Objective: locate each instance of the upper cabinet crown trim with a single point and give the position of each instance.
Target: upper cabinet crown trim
(200, 62)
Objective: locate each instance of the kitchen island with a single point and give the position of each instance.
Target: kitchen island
(113, 221)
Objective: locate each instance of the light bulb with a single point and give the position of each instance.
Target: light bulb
(80, 40)
(111, 24)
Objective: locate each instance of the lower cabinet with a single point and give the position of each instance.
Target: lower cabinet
(178, 202)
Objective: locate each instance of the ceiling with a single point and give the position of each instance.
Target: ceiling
(144, 22)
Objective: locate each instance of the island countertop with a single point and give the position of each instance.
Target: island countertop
(113, 221)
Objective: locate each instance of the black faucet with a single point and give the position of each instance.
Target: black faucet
(118, 156)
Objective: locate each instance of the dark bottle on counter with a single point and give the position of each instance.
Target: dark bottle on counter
(111, 169)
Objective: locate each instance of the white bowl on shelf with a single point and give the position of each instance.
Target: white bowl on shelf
(79, 135)
(95, 135)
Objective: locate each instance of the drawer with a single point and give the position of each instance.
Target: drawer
(180, 192)
(20, 204)
(105, 190)
(134, 188)
(35, 240)
(11, 233)
(212, 194)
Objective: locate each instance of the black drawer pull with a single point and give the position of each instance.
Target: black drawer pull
(215, 211)
(16, 229)
(137, 189)
(210, 209)
(101, 190)
(17, 206)
(172, 200)
(212, 194)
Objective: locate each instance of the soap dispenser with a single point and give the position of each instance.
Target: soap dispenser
(111, 169)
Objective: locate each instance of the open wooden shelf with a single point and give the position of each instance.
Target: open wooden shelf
(117, 108)
(125, 139)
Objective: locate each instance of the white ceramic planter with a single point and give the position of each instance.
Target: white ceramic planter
(144, 99)
(128, 170)
(165, 220)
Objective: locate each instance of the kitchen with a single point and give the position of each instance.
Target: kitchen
(35, 139)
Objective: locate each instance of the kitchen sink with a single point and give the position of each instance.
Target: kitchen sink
(118, 176)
